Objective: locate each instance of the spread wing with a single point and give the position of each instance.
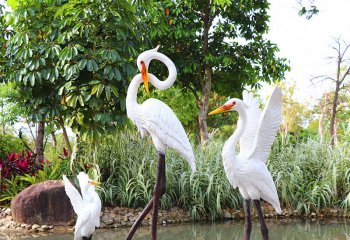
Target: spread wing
(253, 115)
(268, 125)
(74, 195)
(96, 210)
(161, 122)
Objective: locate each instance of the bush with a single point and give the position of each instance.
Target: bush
(9, 144)
(20, 171)
(19, 164)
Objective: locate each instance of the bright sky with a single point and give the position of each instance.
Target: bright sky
(306, 42)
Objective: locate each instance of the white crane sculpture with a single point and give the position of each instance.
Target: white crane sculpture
(157, 119)
(86, 205)
(255, 132)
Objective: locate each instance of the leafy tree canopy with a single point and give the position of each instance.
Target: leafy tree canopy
(73, 60)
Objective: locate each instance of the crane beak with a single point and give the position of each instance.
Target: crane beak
(222, 109)
(95, 183)
(144, 76)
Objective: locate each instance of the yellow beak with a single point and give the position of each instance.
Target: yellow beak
(95, 183)
(144, 76)
(223, 108)
(216, 111)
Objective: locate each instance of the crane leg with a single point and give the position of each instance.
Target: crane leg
(263, 227)
(158, 192)
(248, 221)
(139, 219)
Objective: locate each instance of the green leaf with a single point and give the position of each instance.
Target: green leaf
(100, 90)
(117, 73)
(108, 92)
(95, 88)
(82, 63)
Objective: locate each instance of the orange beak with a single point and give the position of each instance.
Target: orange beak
(223, 108)
(95, 183)
(144, 76)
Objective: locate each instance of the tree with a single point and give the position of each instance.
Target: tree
(71, 62)
(308, 9)
(340, 80)
(295, 114)
(216, 45)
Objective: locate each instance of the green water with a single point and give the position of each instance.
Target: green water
(278, 229)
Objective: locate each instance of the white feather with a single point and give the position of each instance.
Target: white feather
(87, 206)
(73, 195)
(268, 125)
(253, 113)
(256, 132)
(155, 117)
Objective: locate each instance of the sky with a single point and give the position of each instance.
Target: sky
(306, 43)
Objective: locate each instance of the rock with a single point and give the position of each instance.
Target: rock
(35, 226)
(227, 215)
(43, 203)
(106, 219)
(8, 211)
(45, 227)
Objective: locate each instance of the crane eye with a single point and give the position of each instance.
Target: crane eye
(234, 103)
(142, 62)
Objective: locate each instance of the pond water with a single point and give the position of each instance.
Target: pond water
(278, 229)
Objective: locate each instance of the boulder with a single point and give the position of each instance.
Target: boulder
(43, 203)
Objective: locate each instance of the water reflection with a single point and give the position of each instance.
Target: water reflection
(279, 230)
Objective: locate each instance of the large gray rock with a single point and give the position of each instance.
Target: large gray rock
(43, 203)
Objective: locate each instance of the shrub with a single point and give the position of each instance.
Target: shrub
(9, 144)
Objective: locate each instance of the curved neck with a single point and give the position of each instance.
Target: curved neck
(131, 96)
(230, 145)
(163, 85)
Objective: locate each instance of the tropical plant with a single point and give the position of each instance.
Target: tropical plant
(216, 45)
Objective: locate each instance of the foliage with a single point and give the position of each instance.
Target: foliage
(216, 45)
(9, 144)
(310, 175)
(14, 183)
(10, 110)
(308, 9)
(19, 164)
(128, 176)
(73, 60)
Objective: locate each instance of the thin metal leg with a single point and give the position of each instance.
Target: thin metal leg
(248, 221)
(157, 193)
(139, 219)
(263, 227)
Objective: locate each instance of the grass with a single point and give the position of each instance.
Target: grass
(309, 175)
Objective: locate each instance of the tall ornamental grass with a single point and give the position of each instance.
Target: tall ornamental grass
(128, 168)
(309, 175)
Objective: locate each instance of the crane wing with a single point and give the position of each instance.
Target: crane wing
(253, 115)
(74, 195)
(161, 122)
(268, 125)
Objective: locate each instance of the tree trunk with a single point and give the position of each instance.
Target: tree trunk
(203, 106)
(65, 136)
(320, 122)
(54, 141)
(334, 113)
(39, 142)
(206, 82)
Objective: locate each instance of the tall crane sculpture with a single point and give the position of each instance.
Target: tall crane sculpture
(155, 118)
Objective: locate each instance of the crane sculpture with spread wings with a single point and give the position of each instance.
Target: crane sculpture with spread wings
(86, 205)
(256, 131)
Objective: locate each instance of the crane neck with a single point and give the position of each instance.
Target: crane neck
(163, 85)
(131, 96)
(230, 145)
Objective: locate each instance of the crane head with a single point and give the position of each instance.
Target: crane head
(230, 105)
(143, 61)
